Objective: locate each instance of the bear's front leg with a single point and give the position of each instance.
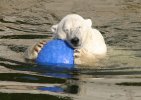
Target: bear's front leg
(32, 52)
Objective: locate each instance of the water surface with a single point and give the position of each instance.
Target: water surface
(117, 77)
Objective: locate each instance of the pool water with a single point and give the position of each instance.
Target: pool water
(117, 77)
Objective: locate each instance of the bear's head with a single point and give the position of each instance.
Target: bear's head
(73, 29)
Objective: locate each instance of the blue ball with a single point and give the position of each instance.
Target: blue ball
(56, 53)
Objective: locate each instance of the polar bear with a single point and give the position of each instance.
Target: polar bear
(78, 32)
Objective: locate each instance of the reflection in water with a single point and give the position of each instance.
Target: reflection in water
(25, 96)
(58, 75)
(71, 81)
(30, 78)
(129, 83)
(70, 86)
(52, 89)
(47, 75)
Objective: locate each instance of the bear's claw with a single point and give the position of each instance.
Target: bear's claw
(32, 53)
(77, 53)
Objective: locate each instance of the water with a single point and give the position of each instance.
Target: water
(117, 77)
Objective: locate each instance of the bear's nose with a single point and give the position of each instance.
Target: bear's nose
(75, 41)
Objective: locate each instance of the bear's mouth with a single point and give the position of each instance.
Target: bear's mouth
(75, 46)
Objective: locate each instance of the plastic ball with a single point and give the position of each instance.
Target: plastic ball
(56, 53)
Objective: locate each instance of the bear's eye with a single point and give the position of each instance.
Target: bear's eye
(79, 27)
(66, 30)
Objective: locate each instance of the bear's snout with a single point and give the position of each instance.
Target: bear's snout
(75, 41)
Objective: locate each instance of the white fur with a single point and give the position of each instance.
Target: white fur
(92, 43)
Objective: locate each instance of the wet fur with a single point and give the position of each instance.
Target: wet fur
(91, 46)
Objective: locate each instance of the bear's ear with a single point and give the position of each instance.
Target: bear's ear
(88, 22)
(54, 28)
